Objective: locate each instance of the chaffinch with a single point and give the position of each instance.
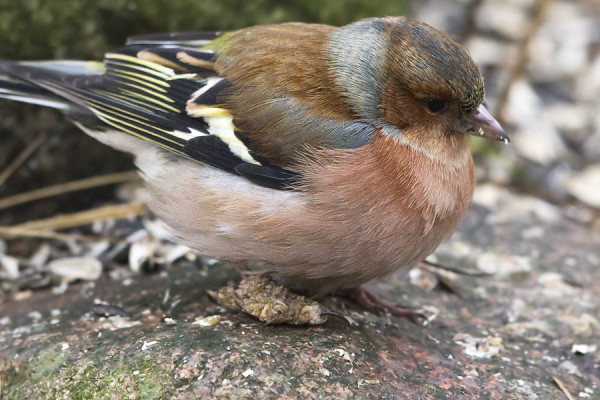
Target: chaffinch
(322, 157)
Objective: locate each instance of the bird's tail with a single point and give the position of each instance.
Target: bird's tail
(24, 81)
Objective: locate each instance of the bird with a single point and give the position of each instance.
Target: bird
(315, 158)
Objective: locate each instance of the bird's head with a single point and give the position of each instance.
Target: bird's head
(411, 80)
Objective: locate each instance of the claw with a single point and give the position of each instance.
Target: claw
(334, 314)
(277, 315)
(369, 301)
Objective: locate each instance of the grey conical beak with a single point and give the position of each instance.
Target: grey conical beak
(481, 123)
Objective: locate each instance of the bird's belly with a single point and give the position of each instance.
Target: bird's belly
(306, 246)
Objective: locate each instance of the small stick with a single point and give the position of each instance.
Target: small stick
(459, 271)
(84, 217)
(537, 16)
(469, 25)
(563, 388)
(9, 232)
(67, 187)
(593, 7)
(16, 163)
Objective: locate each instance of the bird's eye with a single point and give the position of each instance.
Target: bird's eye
(435, 105)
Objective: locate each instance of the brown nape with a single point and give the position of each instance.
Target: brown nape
(285, 60)
(267, 66)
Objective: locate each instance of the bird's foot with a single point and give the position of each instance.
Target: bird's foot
(270, 302)
(369, 301)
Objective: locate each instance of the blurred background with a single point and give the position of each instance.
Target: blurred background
(540, 59)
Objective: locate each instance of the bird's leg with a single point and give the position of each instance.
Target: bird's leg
(369, 301)
(263, 298)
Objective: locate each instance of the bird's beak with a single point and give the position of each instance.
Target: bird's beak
(481, 123)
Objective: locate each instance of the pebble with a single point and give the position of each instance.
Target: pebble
(554, 285)
(422, 278)
(211, 320)
(525, 209)
(73, 268)
(503, 18)
(585, 185)
(143, 250)
(9, 267)
(503, 264)
(584, 348)
(487, 347)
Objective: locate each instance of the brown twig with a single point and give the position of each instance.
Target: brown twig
(537, 16)
(10, 232)
(16, 163)
(469, 26)
(563, 388)
(593, 7)
(67, 187)
(477, 274)
(83, 217)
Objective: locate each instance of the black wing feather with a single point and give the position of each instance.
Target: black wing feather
(269, 176)
(145, 90)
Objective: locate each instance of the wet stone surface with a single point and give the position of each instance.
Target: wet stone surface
(508, 335)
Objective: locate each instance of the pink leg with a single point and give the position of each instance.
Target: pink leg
(369, 301)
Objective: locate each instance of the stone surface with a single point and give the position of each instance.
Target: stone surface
(502, 336)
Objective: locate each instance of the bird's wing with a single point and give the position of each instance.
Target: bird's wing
(165, 88)
(165, 93)
(277, 85)
(15, 87)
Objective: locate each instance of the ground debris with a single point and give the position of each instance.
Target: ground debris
(211, 320)
(487, 347)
